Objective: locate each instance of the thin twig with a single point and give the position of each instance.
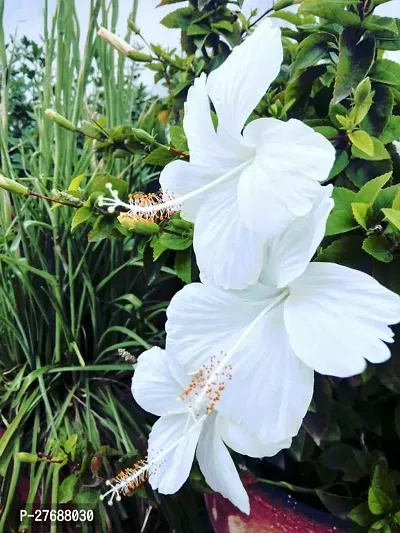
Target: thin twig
(260, 18)
(42, 197)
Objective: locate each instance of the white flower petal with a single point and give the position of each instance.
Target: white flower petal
(153, 385)
(337, 317)
(206, 147)
(171, 470)
(238, 85)
(218, 467)
(203, 319)
(241, 441)
(228, 253)
(271, 388)
(288, 255)
(282, 182)
(180, 177)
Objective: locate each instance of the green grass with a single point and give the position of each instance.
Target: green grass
(66, 305)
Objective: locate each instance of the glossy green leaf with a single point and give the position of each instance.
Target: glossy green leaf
(393, 215)
(379, 247)
(356, 58)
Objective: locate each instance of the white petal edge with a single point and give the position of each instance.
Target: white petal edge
(218, 467)
(288, 255)
(170, 472)
(241, 441)
(238, 85)
(282, 183)
(206, 147)
(337, 317)
(153, 385)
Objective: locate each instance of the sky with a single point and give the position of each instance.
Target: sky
(26, 17)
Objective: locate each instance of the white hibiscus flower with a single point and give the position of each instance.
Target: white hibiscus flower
(298, 318)
(240, 188)
(189, 425)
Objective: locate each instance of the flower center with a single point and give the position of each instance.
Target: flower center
(150, 207)
(206, 387)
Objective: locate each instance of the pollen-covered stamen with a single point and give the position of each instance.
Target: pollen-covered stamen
(204, 391)
(164, 205)
(127, 481)
(153, 206)
(149, 207)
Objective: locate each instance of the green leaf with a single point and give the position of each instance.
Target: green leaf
(81, 215)
(363, 98)
(66, 490)
(380, 112)
(174, 242)
(368, 193)
(334, 111)
(361, 212)
(361, 515)
(341, 162)
(178, 139)
(222, 25)
(340, 221)
(379, 151)
(76, 183)
(385, 42)
(343, 198)
(311, 50)
(396, 201)
(98, 184)
(378, 501)
(102, 229)
(378, 246)
(356, 58)
(383, 27)
(87, 499)
(382, 480)
(337, 505)
(70, 444)
(180, 18)
(393, 215)
(360, 171)
(183, 265)
(300, 87)
(158, 247)
(392, 130)
(333, 10)
(385, 199)
(386, 71)
(160, 157)
(345, 251)
(362, 141)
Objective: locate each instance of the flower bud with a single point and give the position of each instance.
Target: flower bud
(116, 42)
(13, 186)
(143, 136)
(60, 120)
(139, 56)
(133, 27)
(144, 227)
(24, 457)
(281, 4)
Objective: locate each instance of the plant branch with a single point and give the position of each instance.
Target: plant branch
(42, 197)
